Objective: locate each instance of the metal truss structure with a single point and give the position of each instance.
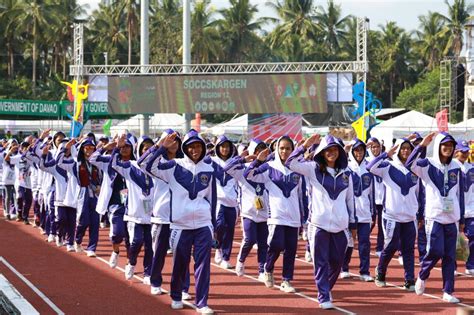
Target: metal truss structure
(359, 67)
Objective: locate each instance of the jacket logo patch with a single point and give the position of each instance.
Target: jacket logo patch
(366, 180)
(204, 179)
(345, 179)
(414, 178)
(295, 178)
(453, 177)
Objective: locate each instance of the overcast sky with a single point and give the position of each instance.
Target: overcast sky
(404, 12)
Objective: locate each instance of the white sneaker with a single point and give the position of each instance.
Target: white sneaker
(378, 254)
(307, 257)
(185, 296)
(177, 305)
(78, 248)
(326, 305)
(261, 277)
(70, 248)
(419, 286)
(287, 287)
(269, 281)
(91, 253)
(470, 272)
(156, 291)
(400, 260)
(226, 265)
(146, 280)
(345, 275)
(103, 225)
(205, 310)
(218, 256)
(169, 251)
(450, 298)
(59, 242)
(366, 278)
(50, 238)
(240, 269)
(305, 235)
(129, 271)
(113, 260)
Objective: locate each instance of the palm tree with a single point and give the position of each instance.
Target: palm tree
(333, 26)
(458, 14)
(393, 55)
(238, 28)
(35, 17)
(165, 32)
(107, 33)
(431, 41)
(8, 14)
(296, 35)
(130, 8)
(205, 46)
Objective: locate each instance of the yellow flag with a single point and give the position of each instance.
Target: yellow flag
(360, 126)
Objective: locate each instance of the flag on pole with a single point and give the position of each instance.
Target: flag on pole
(106, 127)
(360, 126)
(442, 120)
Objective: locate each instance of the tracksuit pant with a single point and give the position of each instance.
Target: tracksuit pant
(363, 237)
(225, 226)
(328, 251)
(421, 242)
(9, 204)
(118, 229)
(67, 223)
(51, 224)
(469, 232)
(399, 236)
(282, 239)
(199, 243)
(37, 207)
(88, 218)
(24, 200)
(254, 233)
(160, 236)
(441, 244)
(380, 236)
(140, 235)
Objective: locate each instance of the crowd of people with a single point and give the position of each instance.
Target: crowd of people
(182, 195)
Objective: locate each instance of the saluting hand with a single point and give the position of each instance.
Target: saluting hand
(392, 151)
(314, 139)
(262, 156)
(427, 140)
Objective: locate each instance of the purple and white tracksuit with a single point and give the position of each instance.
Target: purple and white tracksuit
(160, 216)
(331, 212)
(379, 200)
(254, 221)
(227, 202)
(80, 200)
(192, 216)
(139, 207)
(285, 193)
(23, 184)
(365, 211)
(111, 199)
(468, 171)
(444, 209)
(402, 198)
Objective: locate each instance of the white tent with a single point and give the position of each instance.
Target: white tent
(158, 123)
(28, 126)
(236, 126)
(403, 125)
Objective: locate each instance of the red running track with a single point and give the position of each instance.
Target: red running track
(77, 284)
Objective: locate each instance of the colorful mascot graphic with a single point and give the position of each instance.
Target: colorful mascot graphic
(77, 92)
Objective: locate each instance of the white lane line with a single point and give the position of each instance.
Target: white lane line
(191, 305)
(32, 286)
(401, 288)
